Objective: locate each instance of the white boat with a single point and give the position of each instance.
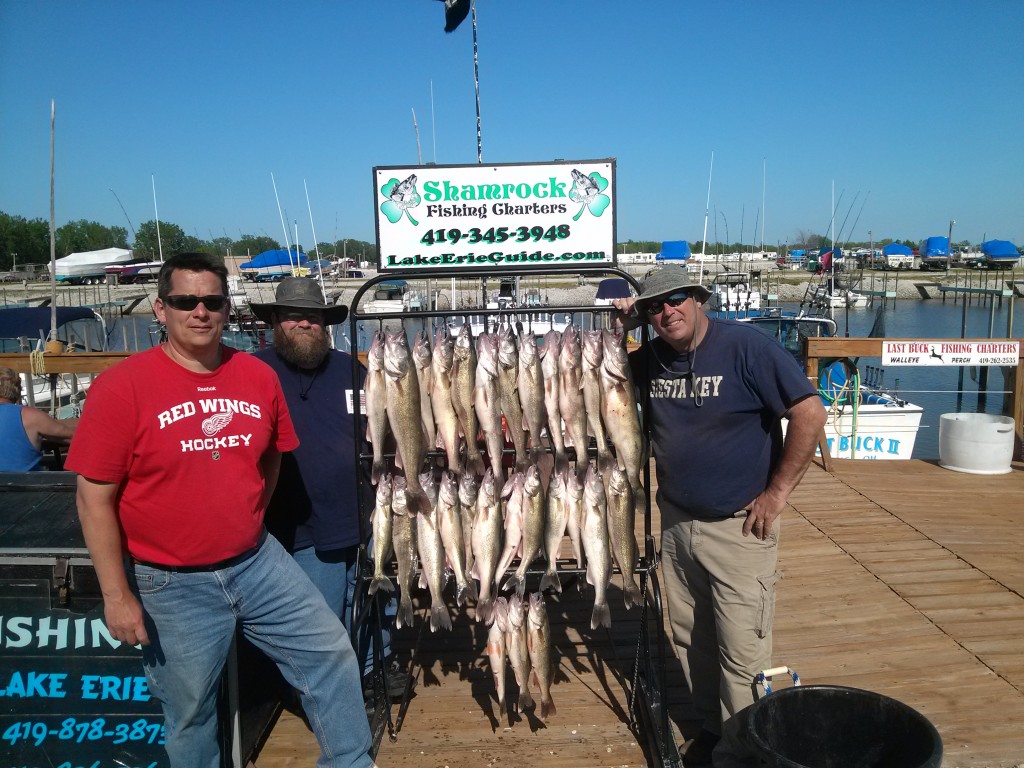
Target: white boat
(865, 421)
(89, 266)
(732, 293)
(24, 329)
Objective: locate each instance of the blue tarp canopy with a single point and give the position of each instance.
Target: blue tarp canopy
(274, 259)
(897, 249)
(30, 321)
(1000, 249)
(935, 246)
(674, 250)
(613, 288)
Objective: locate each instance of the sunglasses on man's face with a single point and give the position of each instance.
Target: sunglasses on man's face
(187, 302)
(655, 307)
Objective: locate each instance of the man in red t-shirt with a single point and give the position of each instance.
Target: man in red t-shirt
(178, 451)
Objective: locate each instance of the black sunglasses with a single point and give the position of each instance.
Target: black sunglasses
(655, 307)
(187, 302)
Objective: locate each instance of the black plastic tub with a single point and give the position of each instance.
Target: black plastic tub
(830, 726)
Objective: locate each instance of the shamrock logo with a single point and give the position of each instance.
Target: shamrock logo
(401, 197)
(587, 191)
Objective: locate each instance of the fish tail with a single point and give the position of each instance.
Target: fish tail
(605, 460)
(502, 709)
(404, 616)
(381, 582)
(377, 470)
(602, 616)
(418, 502)
(547, 709)
(475, 464)
(631, 591)
(439, 618)
(514, 582)
(485, 611)
(550, 579)
(470, 588)
(561, 461)
(525, 699)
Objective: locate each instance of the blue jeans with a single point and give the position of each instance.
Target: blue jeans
(191, 619)
(335, 573)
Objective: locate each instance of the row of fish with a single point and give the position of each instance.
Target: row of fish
(475, 530)
(574, 386)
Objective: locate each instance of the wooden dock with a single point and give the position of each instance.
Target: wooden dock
(902, 578)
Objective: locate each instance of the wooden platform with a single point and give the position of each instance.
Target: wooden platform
(899, 577)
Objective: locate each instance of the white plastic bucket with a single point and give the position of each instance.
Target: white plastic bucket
(977, 443)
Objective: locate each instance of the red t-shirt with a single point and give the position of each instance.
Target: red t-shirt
(184, 449)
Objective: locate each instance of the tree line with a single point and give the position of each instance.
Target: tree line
(27, 241)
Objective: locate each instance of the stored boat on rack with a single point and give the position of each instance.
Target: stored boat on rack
(89, 266)
(865, 420)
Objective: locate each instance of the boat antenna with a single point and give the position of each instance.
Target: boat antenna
(854, 227)
(764, 178)
(476, 86)
(53, 233)
(156, 213)
(847, 217)
(134, 236)
(707, 206)
(416, 130)
(287, 244)
(433, 130)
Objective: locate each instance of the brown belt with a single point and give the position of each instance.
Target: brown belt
(236, 560)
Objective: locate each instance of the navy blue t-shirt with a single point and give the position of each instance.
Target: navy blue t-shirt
(714, 459)
(315, 502)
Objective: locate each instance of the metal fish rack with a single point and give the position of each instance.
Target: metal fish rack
(648, 711)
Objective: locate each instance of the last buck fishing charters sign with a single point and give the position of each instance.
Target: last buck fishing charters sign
(558, 215)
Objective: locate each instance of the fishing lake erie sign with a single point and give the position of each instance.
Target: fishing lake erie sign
(558, 215)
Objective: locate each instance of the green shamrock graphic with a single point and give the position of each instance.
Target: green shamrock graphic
(587, 190)
(401, 197)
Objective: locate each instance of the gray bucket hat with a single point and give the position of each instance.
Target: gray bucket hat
(300, 293)
(670, 279)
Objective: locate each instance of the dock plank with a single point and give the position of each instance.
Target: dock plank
(898, 577)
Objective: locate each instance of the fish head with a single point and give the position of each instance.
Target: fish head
(573, 487)
(550, 350)
(515, 611)
(384, 490)
(444, 348)
(538, 609)
(399, 499)
(501, 613)
(421, 349)
(448, 491)
(528, 352)
(429, 484)
(508, 351)
(593, 486)
(487, 354)
(531, 481)
(592, 349)
(469, 488)
(556, 487)
(618, 483)
(375, 357)
(489, 486)
(397, 360)
(616, 361)
(570, 354)
(464, 341)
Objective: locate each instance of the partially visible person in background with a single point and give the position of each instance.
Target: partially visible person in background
(315, 510)
(23, 429)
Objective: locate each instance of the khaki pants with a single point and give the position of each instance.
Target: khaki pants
(720, 592)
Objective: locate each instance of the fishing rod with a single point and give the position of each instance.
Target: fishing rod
(134, 236)
(847, 218)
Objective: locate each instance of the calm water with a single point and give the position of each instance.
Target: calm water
(937, 389)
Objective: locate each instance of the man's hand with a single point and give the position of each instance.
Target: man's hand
(626, 318)
(763, 511)
(123, 615)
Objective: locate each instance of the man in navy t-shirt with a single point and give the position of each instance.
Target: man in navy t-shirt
(717, 391)
(315, 508)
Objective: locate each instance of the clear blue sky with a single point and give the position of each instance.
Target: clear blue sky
(917, 106)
